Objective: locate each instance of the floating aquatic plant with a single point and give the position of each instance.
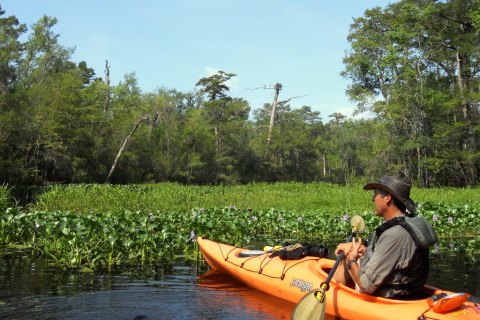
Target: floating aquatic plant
(108, 239)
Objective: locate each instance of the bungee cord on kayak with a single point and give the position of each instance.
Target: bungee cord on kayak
(266, 260)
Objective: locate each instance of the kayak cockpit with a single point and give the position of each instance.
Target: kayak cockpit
(324, 266)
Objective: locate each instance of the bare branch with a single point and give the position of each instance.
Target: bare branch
(265, 87)
(277, 87)
(289, 99)
(451, 19)
(135, 127)
(262, 125)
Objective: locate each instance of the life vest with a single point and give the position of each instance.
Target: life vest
(415, 274)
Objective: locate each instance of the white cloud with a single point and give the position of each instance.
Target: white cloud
(211, 71)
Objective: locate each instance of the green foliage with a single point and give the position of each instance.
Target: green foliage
(102, 239)
(173, 197)
(106, 239)
(215, 85)
(10, 31)
(166, 197)
(449, 219)
(291, 153)
(413, 64)
(457, 225)
(5, 197)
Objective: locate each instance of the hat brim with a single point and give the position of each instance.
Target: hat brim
(409, 204)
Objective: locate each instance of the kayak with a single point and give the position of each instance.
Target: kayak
(291, 280)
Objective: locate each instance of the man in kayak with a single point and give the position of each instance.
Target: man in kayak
(395, 264)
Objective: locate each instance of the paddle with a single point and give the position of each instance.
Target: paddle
(254, 253)
(313, 304)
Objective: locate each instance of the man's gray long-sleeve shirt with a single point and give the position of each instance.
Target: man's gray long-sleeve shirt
(394, 250)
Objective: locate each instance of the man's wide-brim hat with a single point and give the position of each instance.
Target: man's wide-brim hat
(398, 188)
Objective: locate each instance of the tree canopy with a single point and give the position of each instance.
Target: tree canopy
(413, 68)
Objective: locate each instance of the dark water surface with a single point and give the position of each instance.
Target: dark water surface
(30, 289)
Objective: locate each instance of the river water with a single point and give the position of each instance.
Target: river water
(31, 289)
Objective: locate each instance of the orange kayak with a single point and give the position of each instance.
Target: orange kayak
(292, 279)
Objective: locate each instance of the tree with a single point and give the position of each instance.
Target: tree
(412, 64)
(43, 54)
(215, 86)
(10, 55)
(291, 155)
(224, 113)
(49, 111)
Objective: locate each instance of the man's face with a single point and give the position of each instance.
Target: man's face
(380, 201)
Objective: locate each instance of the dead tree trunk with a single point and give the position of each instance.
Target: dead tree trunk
(106, 103)
(324, 158)
(278, 88)
(135, 127)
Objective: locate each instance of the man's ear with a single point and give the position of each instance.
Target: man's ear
(388, 198)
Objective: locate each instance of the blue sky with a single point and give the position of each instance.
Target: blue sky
(174, 43)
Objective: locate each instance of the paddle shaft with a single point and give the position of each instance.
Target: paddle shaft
(337, 262)
(313, 304)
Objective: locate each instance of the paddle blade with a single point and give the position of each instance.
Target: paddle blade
(358, 224)
(310, 308)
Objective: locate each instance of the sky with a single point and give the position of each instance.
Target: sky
(173, 43)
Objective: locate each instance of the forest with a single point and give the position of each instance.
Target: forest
(413, 68)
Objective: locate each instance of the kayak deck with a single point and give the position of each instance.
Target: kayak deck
(292, 279)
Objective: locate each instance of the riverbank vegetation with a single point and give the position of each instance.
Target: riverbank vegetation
(97, 240)
(97, 226)
(169, 197)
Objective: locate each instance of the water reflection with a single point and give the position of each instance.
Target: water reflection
(255, 303)
(456, 272)
(31, 289)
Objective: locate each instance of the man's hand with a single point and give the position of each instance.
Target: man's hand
(348, 246)
(343, 247)
(357, 250)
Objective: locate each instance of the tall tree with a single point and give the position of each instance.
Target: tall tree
(413, 64)
(11, 53)
(10, 57)
(224, 113)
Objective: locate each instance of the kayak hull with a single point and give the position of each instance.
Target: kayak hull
(292, 279)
